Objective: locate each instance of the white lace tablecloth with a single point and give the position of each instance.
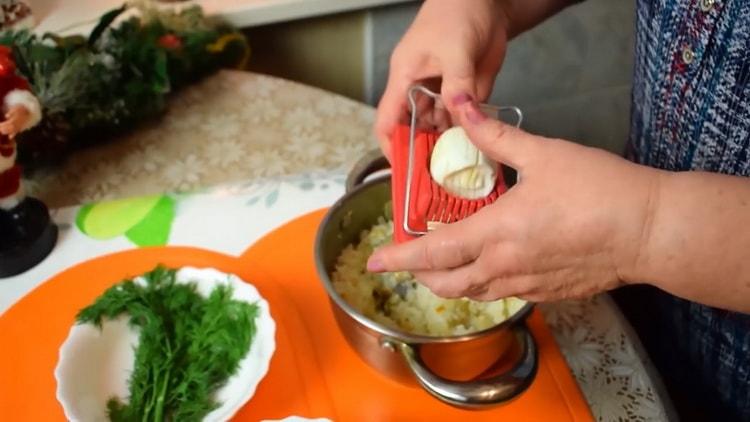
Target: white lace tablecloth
(268, 138)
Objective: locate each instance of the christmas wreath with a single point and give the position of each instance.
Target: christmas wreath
(94, 87)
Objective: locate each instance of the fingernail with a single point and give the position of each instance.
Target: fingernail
(461, 99)
(474, 114)
(375, 265)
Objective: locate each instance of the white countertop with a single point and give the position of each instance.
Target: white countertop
(279, 149)
(79, 16)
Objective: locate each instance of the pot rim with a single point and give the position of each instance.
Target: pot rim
(383, 330)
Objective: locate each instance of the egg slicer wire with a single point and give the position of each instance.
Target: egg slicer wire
(419, 203)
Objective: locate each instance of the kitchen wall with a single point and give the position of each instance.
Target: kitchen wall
(326, 52)
(571, 75)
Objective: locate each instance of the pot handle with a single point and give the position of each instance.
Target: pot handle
(370, 163)
(478, 394)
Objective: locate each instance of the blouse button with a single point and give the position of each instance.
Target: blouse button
(688, 55)
(707, 5)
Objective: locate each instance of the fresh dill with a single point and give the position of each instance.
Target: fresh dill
(188, 345)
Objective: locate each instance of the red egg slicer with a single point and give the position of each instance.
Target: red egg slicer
(420, 204)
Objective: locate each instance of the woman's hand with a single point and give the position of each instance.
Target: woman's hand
(458, 43)
(573, 225)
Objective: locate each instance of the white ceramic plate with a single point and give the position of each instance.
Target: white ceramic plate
(95, 365)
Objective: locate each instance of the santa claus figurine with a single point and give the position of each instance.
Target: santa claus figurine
(26, 233)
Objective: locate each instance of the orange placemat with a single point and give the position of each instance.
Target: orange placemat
(313, 373)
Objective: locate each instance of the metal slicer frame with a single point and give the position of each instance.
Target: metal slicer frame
(492, 110)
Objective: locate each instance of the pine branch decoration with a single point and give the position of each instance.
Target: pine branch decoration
(93, 88)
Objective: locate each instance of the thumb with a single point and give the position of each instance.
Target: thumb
(500, 141)
(459, 83)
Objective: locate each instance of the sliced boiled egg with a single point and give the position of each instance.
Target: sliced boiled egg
(460, 168)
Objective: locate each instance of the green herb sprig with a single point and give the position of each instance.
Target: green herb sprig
(188, 345)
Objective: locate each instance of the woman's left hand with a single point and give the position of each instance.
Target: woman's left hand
(573, 226)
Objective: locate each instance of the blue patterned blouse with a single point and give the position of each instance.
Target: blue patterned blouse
(691, 111)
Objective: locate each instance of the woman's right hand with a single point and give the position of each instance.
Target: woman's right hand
(457, 44)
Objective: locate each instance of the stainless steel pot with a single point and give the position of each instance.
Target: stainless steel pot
(446, 367)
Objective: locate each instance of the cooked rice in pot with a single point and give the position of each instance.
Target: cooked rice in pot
(397, 300)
